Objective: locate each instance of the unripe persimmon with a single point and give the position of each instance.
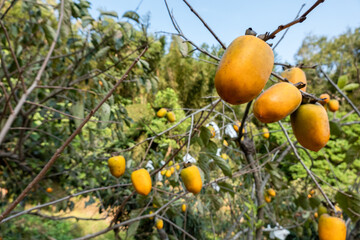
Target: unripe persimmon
(266, 133)
(295, 75)
(333, 105)
(244, 69)
(277, 102)
(271, 192)
(192, 179)
(325, 101)
(331, 228)
(159, 224)
(310, 125)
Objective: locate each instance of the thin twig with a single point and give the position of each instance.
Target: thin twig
(23, 98)
(205, 24)
(282, 37)
(298, 20)
(341, 92)
(61, 199)
(68, 141)
(305, 167)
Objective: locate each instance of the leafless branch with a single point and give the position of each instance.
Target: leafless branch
(68, 141)
(298, 20)
(341, 92)
(205, 24)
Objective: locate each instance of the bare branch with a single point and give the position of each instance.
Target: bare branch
(341, 92)
(298, 20)
(67, 142)
(205, 24)
(22, 100)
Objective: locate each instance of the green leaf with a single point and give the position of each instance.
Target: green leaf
(314, 202)
(105, 112)
(211, 147)
(183, 47)
(102, 52)
(132, 15)
(352, 154)
(350, 204)
(335, 128)
(342, 81)
(302, 201)
(226, 187)
(109, 13)
(77, 110)
(49, 33)
(86, 20)
(222, 164)
(205, 134)
(132, 229)
(351, 87)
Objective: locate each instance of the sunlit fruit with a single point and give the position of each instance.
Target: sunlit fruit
(237, 126)
(310, 125)
(151, 218)
(331, 228)
(170, 116)
(172, 170)
(100, 83)
(325, 95)
(141, 181)
(224, 156)
(171, 163)
(49, 190)
(295, 75)
(117, 166)
(271, 192)
(192, 179)
(312, 191)
(177, 167)
(309, 196)
(266, 133)
(316, 215)
(277, 102)
(212, 131)
(159, 224)
(163, 172)
(267, 198)
(225, 143)
(168, 173)
(161, 113)
(183, 207)
(333, 105)
(244, 69)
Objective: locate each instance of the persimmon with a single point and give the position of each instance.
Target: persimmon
(159, 224)
(183, 207)
(310, 125)
(325, 101)
(117, 166)
(295, 75)
(141, 181)
(49, 190)
(266, 133)
(170, 117)
(277, 102)
(192, 179)
(333, 105)
(161, 113)
(244, 69)
(271, 192)
(331, 228)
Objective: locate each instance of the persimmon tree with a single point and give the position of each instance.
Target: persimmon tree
(88, 89)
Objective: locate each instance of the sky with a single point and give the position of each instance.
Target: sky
(230, 18)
